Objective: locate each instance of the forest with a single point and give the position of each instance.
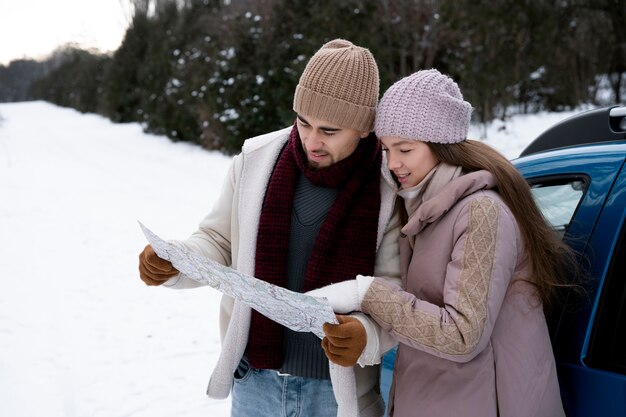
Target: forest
(216, 72)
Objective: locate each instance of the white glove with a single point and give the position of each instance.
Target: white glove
(346, 296)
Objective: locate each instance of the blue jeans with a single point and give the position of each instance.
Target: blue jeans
(266, 393)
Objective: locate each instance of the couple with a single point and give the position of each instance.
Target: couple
(447, 271)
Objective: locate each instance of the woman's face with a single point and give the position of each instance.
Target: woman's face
(408, 160)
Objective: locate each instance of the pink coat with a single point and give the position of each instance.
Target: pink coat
(473, 336)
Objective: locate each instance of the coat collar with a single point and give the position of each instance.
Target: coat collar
(438, 203)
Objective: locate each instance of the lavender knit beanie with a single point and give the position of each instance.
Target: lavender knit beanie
(426, 106)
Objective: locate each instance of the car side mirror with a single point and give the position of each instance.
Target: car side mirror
(617, 119)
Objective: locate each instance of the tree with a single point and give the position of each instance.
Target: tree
(122, 84)
(215, 73)
(76, 83)
(17, 77)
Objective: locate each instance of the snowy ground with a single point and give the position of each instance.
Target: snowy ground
(80, 335)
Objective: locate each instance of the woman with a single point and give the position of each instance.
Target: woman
(478, 262)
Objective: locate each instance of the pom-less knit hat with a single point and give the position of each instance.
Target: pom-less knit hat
(339, 85)
(426, 106)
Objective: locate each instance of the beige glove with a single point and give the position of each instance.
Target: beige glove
(344, 342)
(154, 270)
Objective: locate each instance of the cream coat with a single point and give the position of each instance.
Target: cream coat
(228, 235)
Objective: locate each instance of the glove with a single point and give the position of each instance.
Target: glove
(346, 296)
(344, 342)
(154, 270)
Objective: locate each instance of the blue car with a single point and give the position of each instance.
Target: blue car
(577, 173)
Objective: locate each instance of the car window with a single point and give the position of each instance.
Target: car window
(558, 199)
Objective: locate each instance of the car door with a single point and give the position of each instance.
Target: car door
(588, 326)
(595, 384)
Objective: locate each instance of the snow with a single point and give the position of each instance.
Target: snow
(511, 136)
(80, 334)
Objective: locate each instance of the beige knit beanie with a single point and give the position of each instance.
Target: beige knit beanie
(339, 85)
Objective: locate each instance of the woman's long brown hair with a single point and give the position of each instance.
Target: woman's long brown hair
(550, 258)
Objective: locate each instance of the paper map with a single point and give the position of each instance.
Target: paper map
(296, 311)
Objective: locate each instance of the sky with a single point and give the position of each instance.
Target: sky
(35, 28)
(80, 334)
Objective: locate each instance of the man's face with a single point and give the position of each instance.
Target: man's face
(325, 143)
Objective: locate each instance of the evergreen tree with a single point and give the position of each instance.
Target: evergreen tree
(122, 86)
(76, 83)
(216, 73)
(17, 77)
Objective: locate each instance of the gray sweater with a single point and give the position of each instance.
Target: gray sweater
(303, 355)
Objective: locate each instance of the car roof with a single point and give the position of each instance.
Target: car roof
(587, 150)
(601, 125)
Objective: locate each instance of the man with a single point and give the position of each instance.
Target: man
(302, 208)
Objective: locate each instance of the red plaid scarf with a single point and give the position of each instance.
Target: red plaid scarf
(344, 247)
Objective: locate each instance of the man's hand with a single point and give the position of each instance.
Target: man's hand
(154, 270)
(344, 342)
